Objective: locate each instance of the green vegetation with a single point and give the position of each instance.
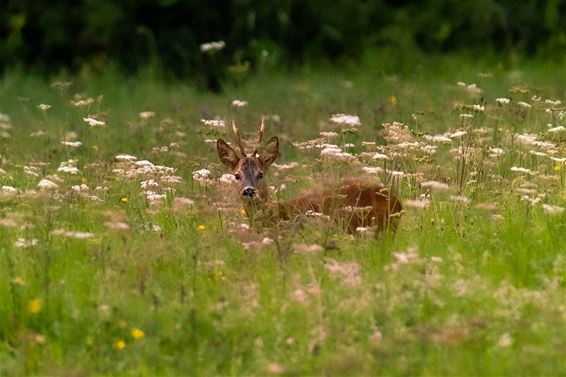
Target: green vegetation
(108, 267)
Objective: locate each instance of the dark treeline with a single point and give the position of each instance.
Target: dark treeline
(51, 35)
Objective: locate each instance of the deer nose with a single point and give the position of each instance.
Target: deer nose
(249, 192)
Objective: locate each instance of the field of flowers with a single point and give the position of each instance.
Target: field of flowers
(124, 249)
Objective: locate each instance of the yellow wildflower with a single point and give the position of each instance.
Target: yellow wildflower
(201, 227)
(557, 168)
(120, 345)
(393, 101)
(124, 199)
(137, 333)
(35, 306)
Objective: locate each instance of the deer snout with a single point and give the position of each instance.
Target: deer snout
(248, 192)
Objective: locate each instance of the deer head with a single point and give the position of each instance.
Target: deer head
(249, 170)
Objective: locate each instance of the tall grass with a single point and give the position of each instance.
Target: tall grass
(106, 279)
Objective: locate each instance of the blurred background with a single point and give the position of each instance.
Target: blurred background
(171, 36)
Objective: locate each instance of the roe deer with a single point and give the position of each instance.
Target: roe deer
(358, 203)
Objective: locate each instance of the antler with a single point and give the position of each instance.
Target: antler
(238, 138)
(260, 136)
(261, 129)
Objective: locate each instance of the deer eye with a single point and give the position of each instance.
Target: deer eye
(237, 176)
(260, 175)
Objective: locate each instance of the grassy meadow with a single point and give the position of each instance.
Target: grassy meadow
(124, 251)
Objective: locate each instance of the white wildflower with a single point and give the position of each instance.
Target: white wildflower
(380, 156)
(435, 185)
(239, 103)
(94, 122)
(502, 101)
(202, 174)
(72, 234)
(144, 163)
(553, 102)
(524, 104)
(505, 341)
(437, 138)
(146, 114)
(39, 133)
(80, 188)
(46, 184)
(9, 189)
(466, 116)
(473, 88)
(495, 152)
(68, 167)
(518, 169)
(31, 171)
(526, 139)
(213, 122)
(212, 46)
(458, 134)
(328, 134)
(350, 120)
(394, 173)
(82, 102)
(290, 165)
(227, 178)
(22, 243)
(556, 130)
(460, 198)
(43, 107)
(72, 144)
(125, 157)
(478, 108)
(150, 183)
(419, 203)
(152, 196)
(372, 170)
(552, 209)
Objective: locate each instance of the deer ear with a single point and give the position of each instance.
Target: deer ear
(269, 152)
(227, 155)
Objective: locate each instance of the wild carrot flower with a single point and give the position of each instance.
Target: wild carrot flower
(212, 46)
(239, 103)
(72, 144)
(552, 209)
(435, 185)
(46, 184)
(214, 122)
(146, 114)
(24, 244)
(94, 122)
(125, 157)
(350, 120)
